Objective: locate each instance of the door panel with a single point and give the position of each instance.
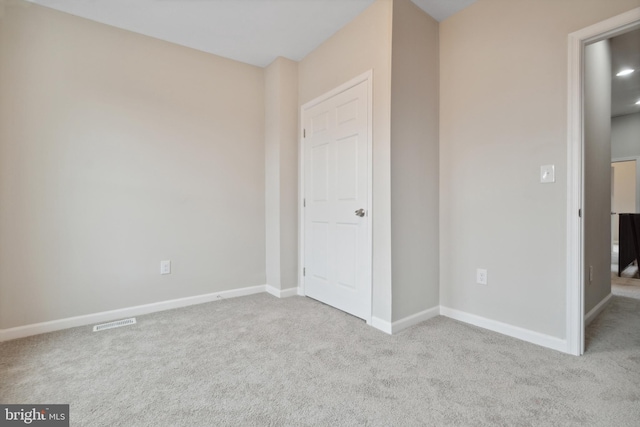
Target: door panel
(320, 171)
(320, 254)
(346, 248)
(337, 241)
(347, 169)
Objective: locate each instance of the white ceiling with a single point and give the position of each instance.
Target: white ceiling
(251, 31)
(442, 9)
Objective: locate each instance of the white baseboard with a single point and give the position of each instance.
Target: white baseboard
(588, 318)
(382, 325)
(506, 329)
(407, 322)
(414, 319)
(106, 316)
(281, 293)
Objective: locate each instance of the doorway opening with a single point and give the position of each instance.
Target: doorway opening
(581, 178)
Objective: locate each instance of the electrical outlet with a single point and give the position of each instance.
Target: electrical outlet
(481, 276)
(165, 267)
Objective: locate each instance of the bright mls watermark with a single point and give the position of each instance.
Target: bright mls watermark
(34, 415)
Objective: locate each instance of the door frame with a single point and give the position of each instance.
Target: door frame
(364, 77)
(575, 168)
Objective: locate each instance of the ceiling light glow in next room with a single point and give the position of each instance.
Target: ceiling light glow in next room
(625, 72)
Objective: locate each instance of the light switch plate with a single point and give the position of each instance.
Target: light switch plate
(547, 174)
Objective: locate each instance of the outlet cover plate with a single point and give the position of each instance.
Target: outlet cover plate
(165, 267)
(481, 276)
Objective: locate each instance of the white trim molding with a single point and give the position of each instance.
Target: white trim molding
(281, 293)
(381, 325)
(407, 322)
(588, 318)
(506, 329)
(106, 316)
(414, 319)
(575, 289)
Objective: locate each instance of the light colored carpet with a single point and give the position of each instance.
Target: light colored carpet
(261, 361)
(628, 284)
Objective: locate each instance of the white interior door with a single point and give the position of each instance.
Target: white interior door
(337, 254)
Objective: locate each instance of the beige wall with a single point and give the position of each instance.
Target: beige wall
(503, 114)
(414, 160)
(625, 143)
(624, 186)
(597, 173)
(118, 151)
(281, 173)
(362, 45)
(624, 192)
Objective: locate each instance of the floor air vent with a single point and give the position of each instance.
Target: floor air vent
(114, 324)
